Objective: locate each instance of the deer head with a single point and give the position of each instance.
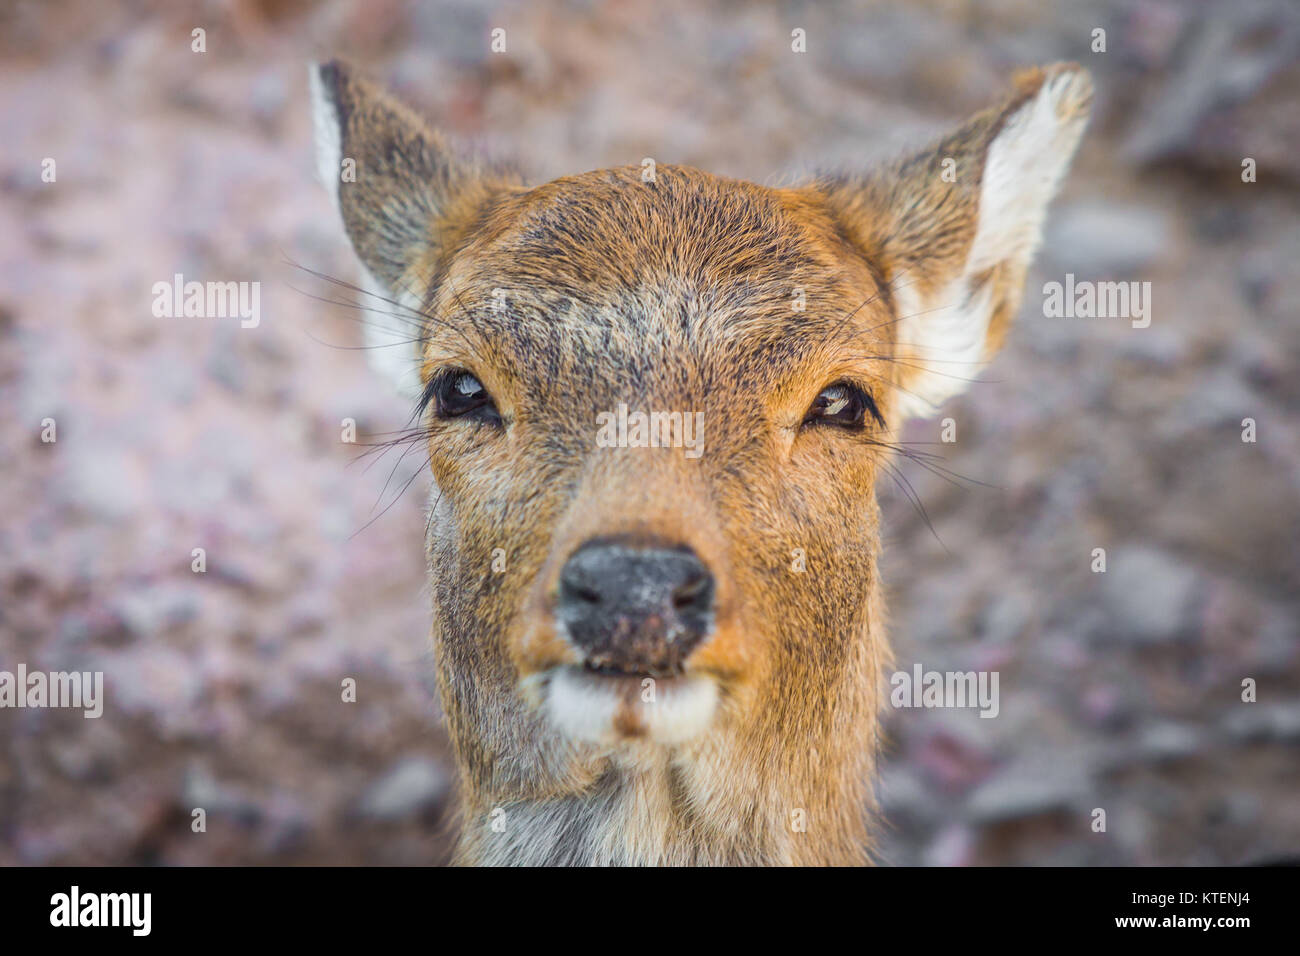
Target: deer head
(656, 404)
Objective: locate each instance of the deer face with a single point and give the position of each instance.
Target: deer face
(657, 403)
(661, 404)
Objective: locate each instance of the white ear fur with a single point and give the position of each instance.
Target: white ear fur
(326, 134)
(943, 337)
(946, 333)
(1026, 163)
(387, 334)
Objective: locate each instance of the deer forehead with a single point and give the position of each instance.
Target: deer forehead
(687, 271)
(647, 259)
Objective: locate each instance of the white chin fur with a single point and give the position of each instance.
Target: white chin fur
(606, 710)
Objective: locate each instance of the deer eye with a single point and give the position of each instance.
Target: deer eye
(458, 394)
(843, 404)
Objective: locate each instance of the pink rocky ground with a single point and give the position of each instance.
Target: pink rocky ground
(1118, 691)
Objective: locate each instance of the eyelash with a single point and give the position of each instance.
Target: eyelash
(852, 392)
(872, 408)
(436, 394)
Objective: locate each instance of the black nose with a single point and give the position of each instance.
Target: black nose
(635, 610)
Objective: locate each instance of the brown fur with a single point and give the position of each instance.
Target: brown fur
(672, 294)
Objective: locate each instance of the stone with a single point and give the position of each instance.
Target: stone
(1147, 596)
(413, 786)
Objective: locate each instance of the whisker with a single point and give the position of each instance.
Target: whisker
(396, 499)
(905, 488)
(410, 313)
(396, 465)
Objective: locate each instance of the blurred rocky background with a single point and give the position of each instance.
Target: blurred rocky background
(1119, 691)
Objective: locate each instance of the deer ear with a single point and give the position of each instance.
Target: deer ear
(406, 201)
(954, 228)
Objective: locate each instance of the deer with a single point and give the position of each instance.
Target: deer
(645, 656)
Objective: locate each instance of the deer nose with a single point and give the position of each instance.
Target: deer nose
(635, 610)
